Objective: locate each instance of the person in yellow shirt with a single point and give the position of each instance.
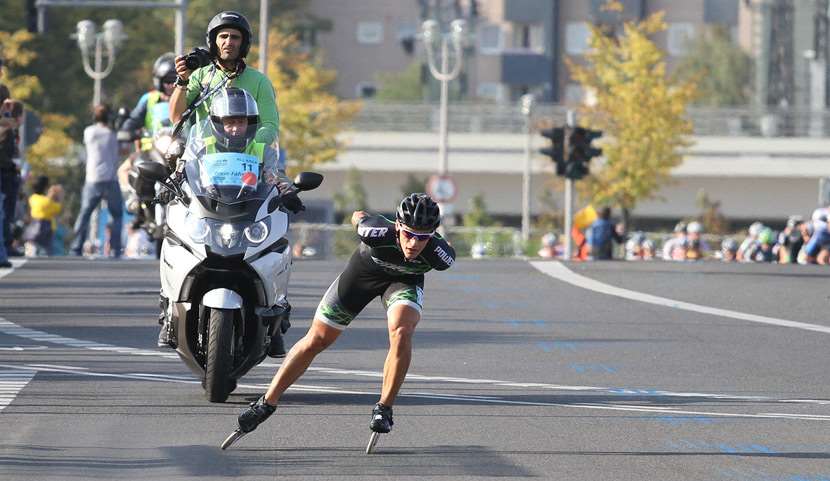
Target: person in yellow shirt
(44, 206)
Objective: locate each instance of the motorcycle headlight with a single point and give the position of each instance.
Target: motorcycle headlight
(256, 233)
(228, 235)
(197, 228)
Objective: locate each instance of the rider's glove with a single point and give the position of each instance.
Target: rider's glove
(291, 201)
(164, 197)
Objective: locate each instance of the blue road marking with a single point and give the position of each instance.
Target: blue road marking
(583, 368)
(517, 322)
(549, 346)
(680, 420)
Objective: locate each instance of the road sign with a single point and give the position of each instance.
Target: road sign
(442, 188)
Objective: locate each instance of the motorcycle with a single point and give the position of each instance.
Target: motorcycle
(149, 216)
(225, 264)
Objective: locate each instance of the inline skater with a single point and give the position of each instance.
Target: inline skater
(390, 262)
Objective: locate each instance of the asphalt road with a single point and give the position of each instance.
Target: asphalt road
(573, 374)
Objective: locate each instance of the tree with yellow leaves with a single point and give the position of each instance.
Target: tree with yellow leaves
(310, 115)
(641, 111)
(53, 141)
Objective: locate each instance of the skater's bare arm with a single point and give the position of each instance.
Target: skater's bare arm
(357, 216)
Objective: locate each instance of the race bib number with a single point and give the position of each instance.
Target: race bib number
(228, 168)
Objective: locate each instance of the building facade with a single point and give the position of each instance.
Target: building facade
(515, 46)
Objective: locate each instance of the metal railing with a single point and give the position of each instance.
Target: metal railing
(498, 118)
(338, 241)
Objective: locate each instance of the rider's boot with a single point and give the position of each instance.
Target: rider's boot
(166, 338)
(255, 415)
(276, 348)
(381, 419)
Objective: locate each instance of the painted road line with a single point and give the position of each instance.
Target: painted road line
(559, 271)
(11, 328)
(658, 410)
(12, 381)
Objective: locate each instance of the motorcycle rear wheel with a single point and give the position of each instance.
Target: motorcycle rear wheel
(218, 384)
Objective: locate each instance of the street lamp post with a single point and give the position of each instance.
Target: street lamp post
(527, 104)
(88, 39)
(432, 37)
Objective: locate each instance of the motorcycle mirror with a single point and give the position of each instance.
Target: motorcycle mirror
(308, 180)
(175, 150)
(152, 170)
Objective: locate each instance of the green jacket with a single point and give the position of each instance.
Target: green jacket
(251, 80)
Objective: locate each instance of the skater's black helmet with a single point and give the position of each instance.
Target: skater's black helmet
(229, 19)
(419, 211)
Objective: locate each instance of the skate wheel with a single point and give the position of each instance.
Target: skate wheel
(373, 441)
(234, 437)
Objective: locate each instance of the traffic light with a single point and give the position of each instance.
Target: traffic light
(580, 152)
(556, 151)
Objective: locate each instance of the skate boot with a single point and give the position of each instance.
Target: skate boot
(381, 419)
(255, 415)
(249, 419)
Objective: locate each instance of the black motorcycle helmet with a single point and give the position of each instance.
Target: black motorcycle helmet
(420, 212)
(164, 68)
(233, 102)
(229, 19)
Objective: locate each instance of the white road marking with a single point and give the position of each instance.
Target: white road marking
(559, 271)
(12, 382)
(662, 410)
(7, 327)
(23, 348)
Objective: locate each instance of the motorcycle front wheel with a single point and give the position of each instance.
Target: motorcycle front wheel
(218, 384)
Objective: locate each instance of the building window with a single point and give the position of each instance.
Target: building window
(577, 35)
(529, 37)
(678, 38)
(490, 39)
(490, 91)
(369, 33)
(366, 90)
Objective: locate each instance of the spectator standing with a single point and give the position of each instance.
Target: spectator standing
(11, 114)
(44, 206)
(101, 180)
(601, 235)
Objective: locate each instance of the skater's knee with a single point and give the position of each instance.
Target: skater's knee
(319, 337)
(401, 333)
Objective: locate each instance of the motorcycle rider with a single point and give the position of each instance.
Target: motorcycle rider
(232, 127)
(228, 38)
(390, 262)
(151, 113)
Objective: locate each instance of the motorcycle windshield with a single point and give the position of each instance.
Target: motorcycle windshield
(227, 177)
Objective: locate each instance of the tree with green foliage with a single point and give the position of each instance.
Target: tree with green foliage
(477, 215)
(310, 116)
(352, 196)
(53, 141)
(722, 71)
(402, 86)
(413, 184)
(640, 110)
